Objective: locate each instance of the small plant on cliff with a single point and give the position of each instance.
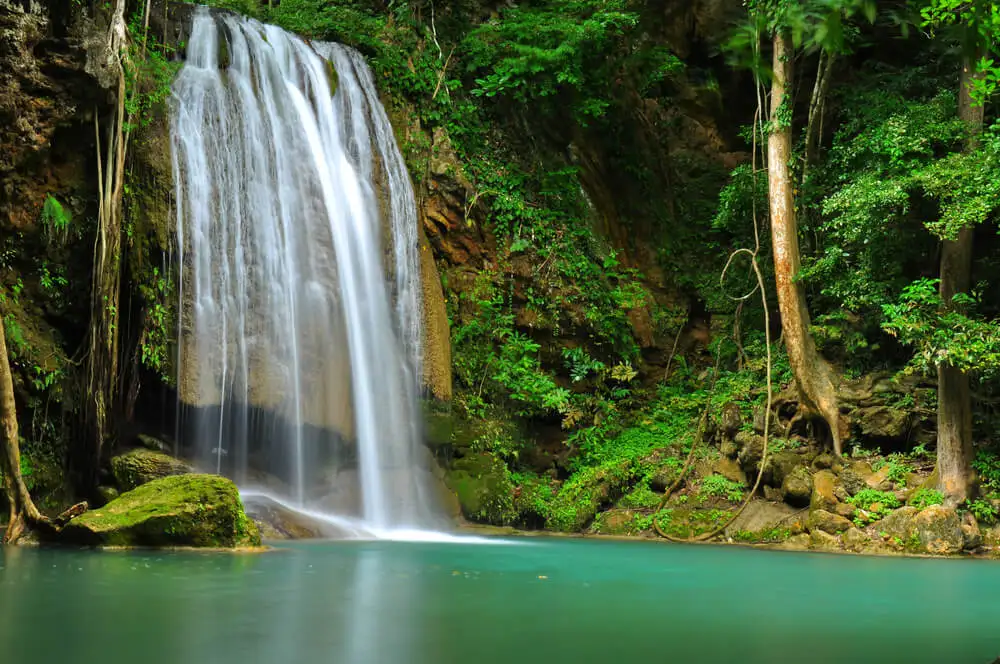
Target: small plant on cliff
(55, 220)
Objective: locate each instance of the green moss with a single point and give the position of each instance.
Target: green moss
(586, 492)
(138, 466)
(484, 488)
(182, 510)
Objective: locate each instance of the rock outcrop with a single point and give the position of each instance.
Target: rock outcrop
(177, 511)
(139, 466)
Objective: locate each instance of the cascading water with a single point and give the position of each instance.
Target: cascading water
(297, 229)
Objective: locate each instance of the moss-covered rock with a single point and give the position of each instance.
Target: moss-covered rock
(828, 522)
(855, 476)
(797, 487)
(882, 423)
(824, 491)
(139, 466)
(935, 529)
(484, 488)
(580, 498)
(182, 510)
(939, 530)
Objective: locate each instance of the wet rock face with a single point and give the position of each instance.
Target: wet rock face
(46, 109)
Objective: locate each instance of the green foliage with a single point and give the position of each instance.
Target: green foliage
(924, 497)
(156, 341)
(551, 52)
(984, 510)
(898, 468)
(718, 486)
(773, 535)
(940, 334)
(876, 505)
(55, 218)
(150, 70)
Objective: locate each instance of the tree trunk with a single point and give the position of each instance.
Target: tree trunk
(817, 107)
(21, 505)
(812, 374)
(954, 444)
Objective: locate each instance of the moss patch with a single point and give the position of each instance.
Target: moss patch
(182, 510)
(139, 466)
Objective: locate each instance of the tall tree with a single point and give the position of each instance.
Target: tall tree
(816, 24)
(21, 506)
(813, 375)
(979, 24)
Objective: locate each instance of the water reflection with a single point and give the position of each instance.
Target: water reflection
(442, 603)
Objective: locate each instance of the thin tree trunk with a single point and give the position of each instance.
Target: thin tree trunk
(812, 374)
(817, 107)
(954, 446)
(21, 506)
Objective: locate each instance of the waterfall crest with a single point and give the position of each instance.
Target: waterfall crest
(299, 339)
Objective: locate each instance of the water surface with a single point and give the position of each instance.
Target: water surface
(536, 600)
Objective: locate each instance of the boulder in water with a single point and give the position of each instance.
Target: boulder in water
(138, 466)
(181, 510)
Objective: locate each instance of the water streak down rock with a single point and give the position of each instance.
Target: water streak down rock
(300, 275)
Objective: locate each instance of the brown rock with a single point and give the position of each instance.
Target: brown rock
(729, 469)
(797, 487)
(823, 497)
(828, 522)
(824, 541)
(846, 510)
(940, 530)
(855, 539)
(972, 538)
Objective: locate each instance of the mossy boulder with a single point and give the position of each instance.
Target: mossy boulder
(583, 495)
(828, 522)
(797, 487)
(935, 529)
(484, 488)
(882, 423)
(824, 495)
(855, 477)
(181, 510)
(139, 466)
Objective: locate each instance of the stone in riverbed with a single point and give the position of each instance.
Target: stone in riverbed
(138, 466)
(935, 529)
(828, 522)
(181, 510)
(940, 530)
(824, 541)
(855, 540)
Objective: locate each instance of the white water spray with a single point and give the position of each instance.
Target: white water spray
(297, 227)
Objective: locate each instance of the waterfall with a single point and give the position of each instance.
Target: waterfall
(299, 330)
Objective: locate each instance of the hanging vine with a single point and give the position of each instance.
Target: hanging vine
(102, 366)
